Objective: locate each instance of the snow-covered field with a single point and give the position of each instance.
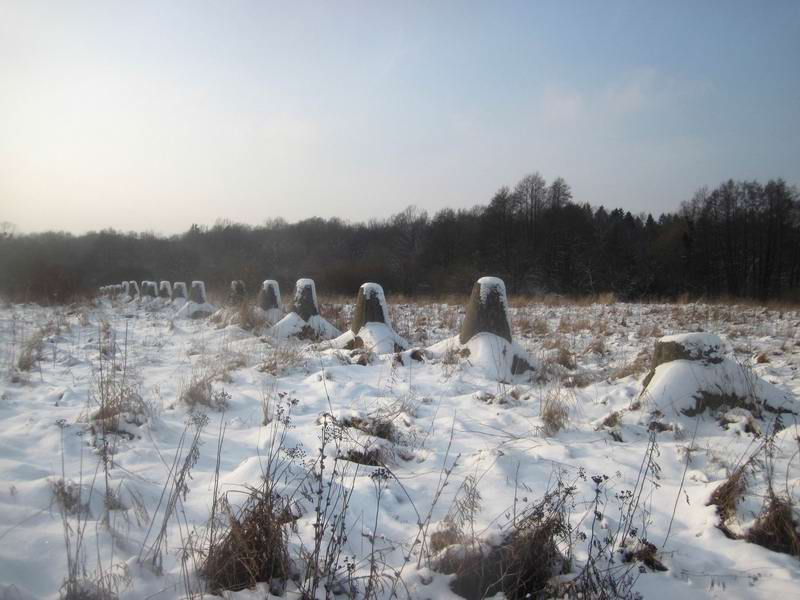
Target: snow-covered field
(454, 455)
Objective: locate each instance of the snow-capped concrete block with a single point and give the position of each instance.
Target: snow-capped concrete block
(269, 296)
(305, 299)
(236, 293)
(486, 310)
(149, 290)
(197, 293)
(179, 291)
(165, 290)
(370, 307)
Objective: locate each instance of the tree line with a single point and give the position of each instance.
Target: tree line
(741, 239)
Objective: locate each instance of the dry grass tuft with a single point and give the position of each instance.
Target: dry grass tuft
(281, 358)
(448, 535)
(371, 456)
(253, 547)
(31, 350)
(377, 427)
(612, 420)
(67, 495)
(776, 528)
(555, 411)
(121, 404)
(540, 326)
(523, 565)
(199, 392)
(597, 345)
(728, 495)
(249, 318)
(640, 364)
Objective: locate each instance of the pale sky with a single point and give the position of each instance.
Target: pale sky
(155, 115)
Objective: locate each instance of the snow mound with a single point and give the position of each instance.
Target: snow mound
(194, 310)
(375, 337)
(491, 355)
(292, 325)
(691, 374)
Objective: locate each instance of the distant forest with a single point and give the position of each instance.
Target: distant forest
(741, 239)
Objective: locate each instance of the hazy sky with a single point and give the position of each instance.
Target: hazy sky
(154, 115)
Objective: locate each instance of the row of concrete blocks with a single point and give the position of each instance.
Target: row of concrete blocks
(133, 290)
(486, 310)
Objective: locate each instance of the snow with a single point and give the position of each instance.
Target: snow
(292, 326)
(376, 337)
(449, 412)
(698, 344)
(486, 353)
(677, 385)
(195, 310)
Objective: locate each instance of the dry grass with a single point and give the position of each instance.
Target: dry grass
(281, 358)
(199, 392)
(555, 410)
(377, 427)
(597, 345)
(249, 319)
(68, 496)
(728, 495)
(253, 546)
(540, 326)
(120, 404)
(776, 528)
(32, 350)
(612, 420)
(638, 366)
(522, 565)
(371, 456)
(334, 314)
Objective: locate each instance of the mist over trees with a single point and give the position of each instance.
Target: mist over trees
(741, 239)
